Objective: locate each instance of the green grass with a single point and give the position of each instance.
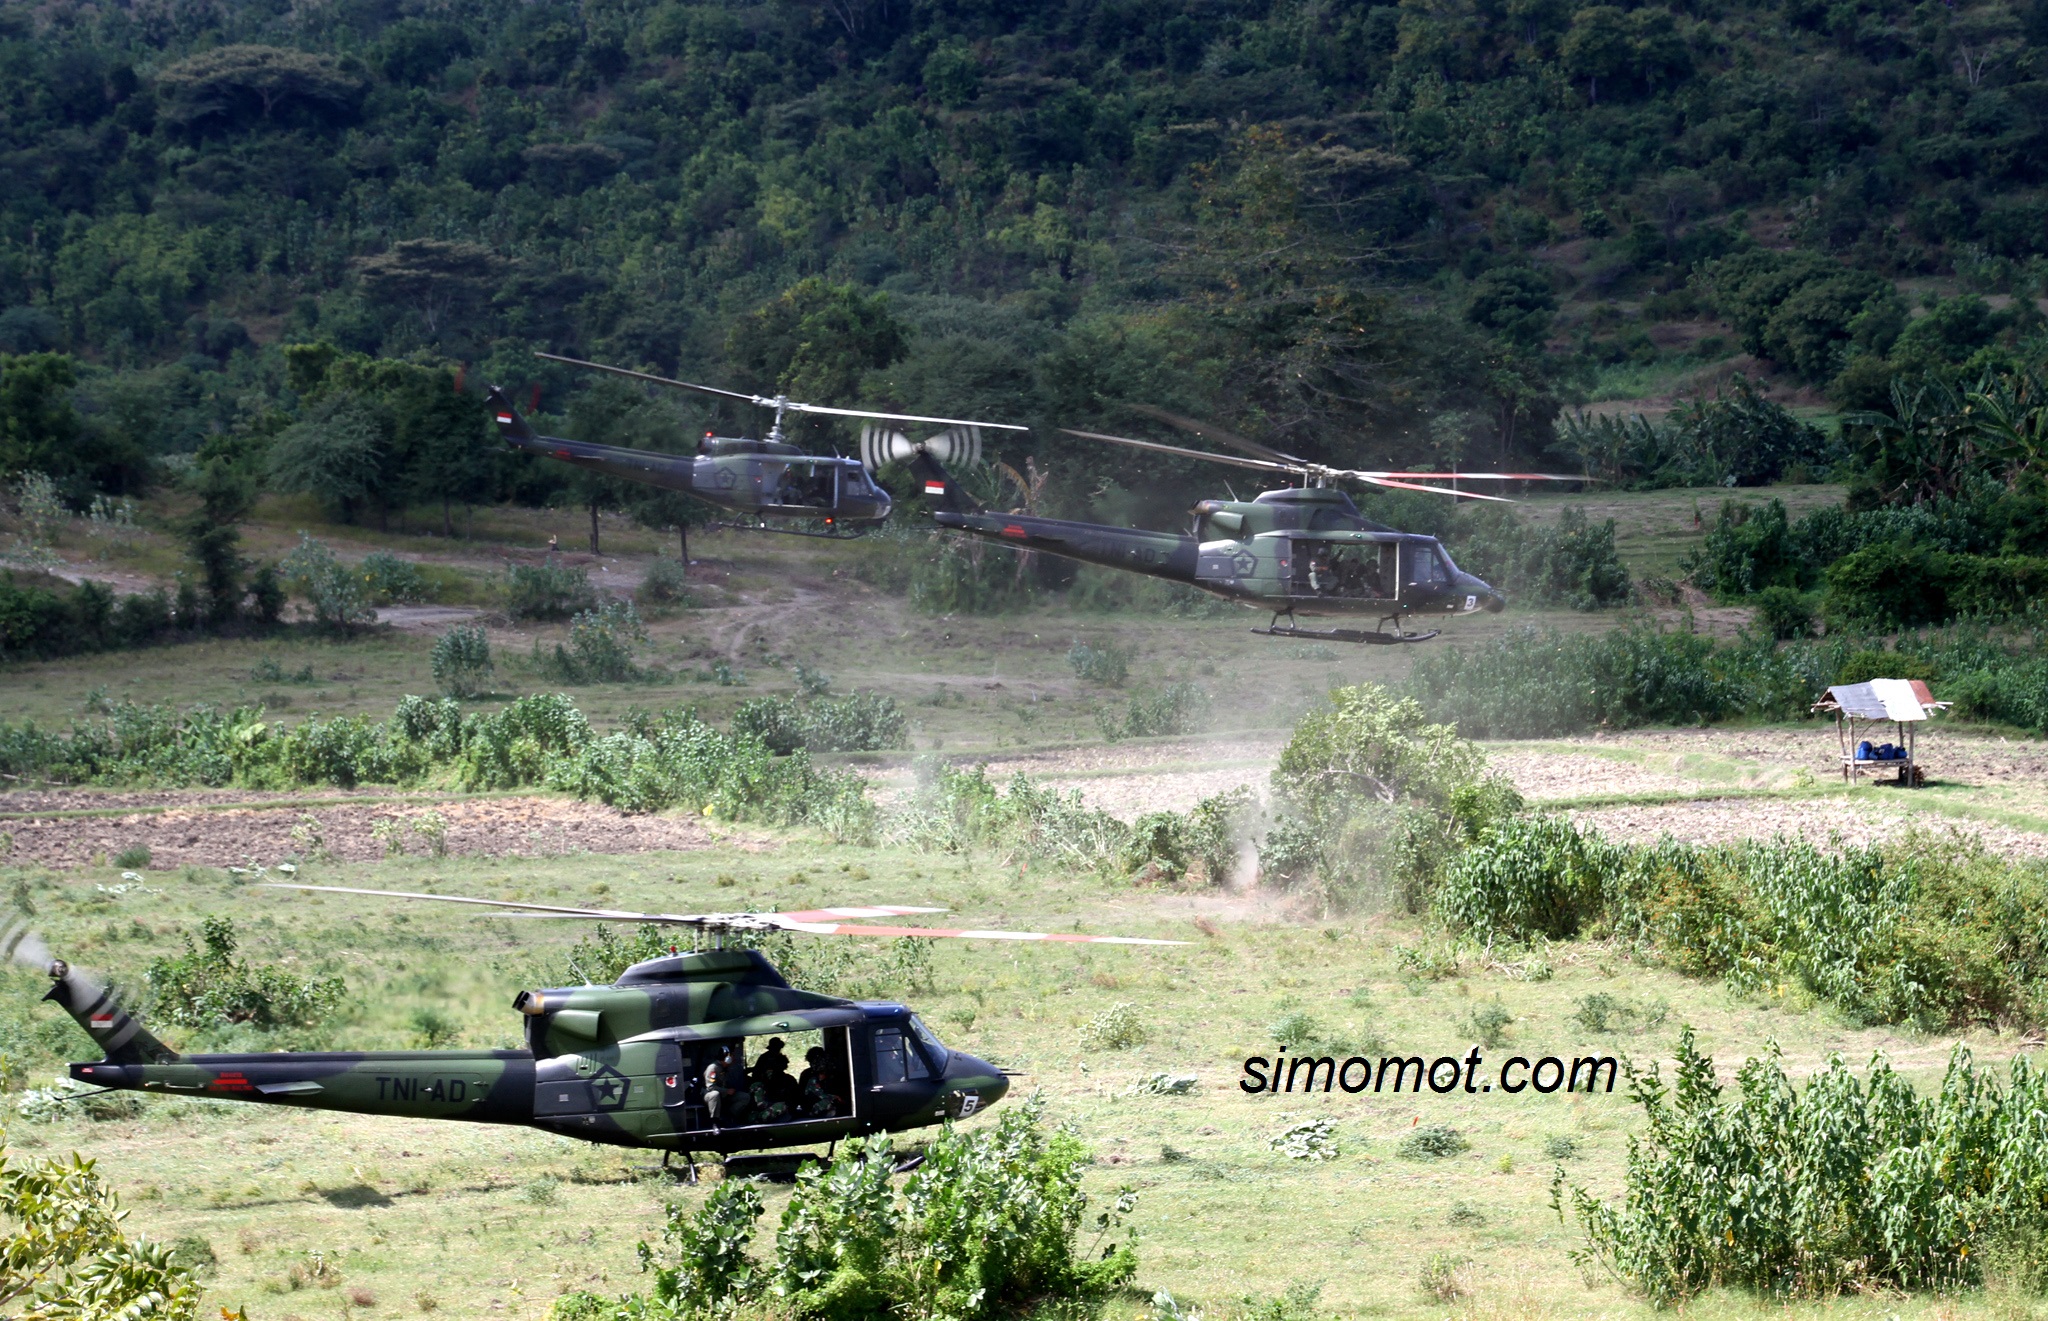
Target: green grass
(1223, 1218)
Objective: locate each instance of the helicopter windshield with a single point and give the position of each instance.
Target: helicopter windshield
(932, 1045)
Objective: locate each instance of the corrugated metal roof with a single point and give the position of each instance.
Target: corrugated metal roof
(1884, 699)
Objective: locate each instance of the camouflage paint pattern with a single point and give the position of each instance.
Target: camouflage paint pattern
(1255, 552)
(612, 1064)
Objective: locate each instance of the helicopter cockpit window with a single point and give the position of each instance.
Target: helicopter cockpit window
(1422, 566)
(932, 1045)
(896, 1059)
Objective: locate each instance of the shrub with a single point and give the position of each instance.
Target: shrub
(1380, 796)
(600, 646)
(666, 586)
(1914, 1193)
(1573, 563)
(210, 987)
(549, 590)
(1784, 612)
(462, 662)
(856, 722)
(1601, 1012)
(1180, 708)
(1200, 845)
(952, 811)
(1489, 1022)
(1116, 1028)
(1311, 1140)
(1431, 1142)
(1104, 663)
(339, 597)
(986, 1227)
(389, 580)
(1874, 932)
(67, 1252)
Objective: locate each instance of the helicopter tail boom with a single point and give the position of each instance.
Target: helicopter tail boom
(482, 1086)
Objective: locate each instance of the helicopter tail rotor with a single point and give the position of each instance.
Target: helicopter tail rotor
(959, 446)
(91, 1005)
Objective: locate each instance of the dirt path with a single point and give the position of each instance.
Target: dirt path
(189, 834)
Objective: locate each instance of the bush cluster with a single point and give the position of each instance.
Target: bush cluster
(988, 1226)
(210, 987)
(955, 810)
(1370, 794)
(1928, 933)
(653, 762)
(1893, 566)
(67, 1254)
(1178, 708)
(548, 590)
(41, 622)
(1535, 683)
(852, 722)
(1843, 1186)
(1573, 563)
(600, 646)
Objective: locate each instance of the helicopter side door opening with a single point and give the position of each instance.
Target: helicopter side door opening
(1357, 571)
(759, 1091)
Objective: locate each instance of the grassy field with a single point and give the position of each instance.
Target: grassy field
(769, 604)
(320, 1216)
(406, 1212)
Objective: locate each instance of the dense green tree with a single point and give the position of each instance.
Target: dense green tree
(231, 84)
(336, 454)
(817, 340)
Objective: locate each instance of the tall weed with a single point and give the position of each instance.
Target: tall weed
(1844, 1186)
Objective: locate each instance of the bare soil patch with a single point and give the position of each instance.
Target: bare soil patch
(494, 827)
(1827, 824)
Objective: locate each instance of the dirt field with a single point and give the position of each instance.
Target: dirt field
(186, 829)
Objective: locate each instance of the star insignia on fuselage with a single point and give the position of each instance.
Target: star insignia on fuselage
(608, 1089)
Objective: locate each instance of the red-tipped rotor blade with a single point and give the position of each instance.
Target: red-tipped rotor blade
(955, 933)
(1433, 490)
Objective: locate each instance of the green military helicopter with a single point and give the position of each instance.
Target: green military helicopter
(771, 483)
(629, 1064)
(1301, 550)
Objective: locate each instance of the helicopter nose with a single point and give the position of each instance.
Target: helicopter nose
(1490, 600)
(983, 1080)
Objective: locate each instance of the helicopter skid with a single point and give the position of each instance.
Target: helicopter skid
(1346, 635)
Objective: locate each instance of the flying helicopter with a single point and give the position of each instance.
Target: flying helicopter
(768, 482)
(623, 1064)
(1298, 550)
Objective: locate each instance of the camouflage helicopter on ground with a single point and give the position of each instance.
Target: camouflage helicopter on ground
(770, 481)
(1300, 550)
(624, 1064)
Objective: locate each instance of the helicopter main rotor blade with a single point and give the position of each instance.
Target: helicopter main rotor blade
(1263, 465)
(815, 921)
(857, 929)
(1475, 476)
(896, 417)
(1374, 479)
(765, 401)
(1210, 431)
(657, 380)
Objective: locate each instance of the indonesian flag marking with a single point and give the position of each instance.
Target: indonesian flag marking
(103, 1020)
(934, 488)
(505, 419)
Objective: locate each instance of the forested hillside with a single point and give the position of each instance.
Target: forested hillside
(1419, 231)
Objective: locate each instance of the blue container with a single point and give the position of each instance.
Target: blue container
(1864, 751)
